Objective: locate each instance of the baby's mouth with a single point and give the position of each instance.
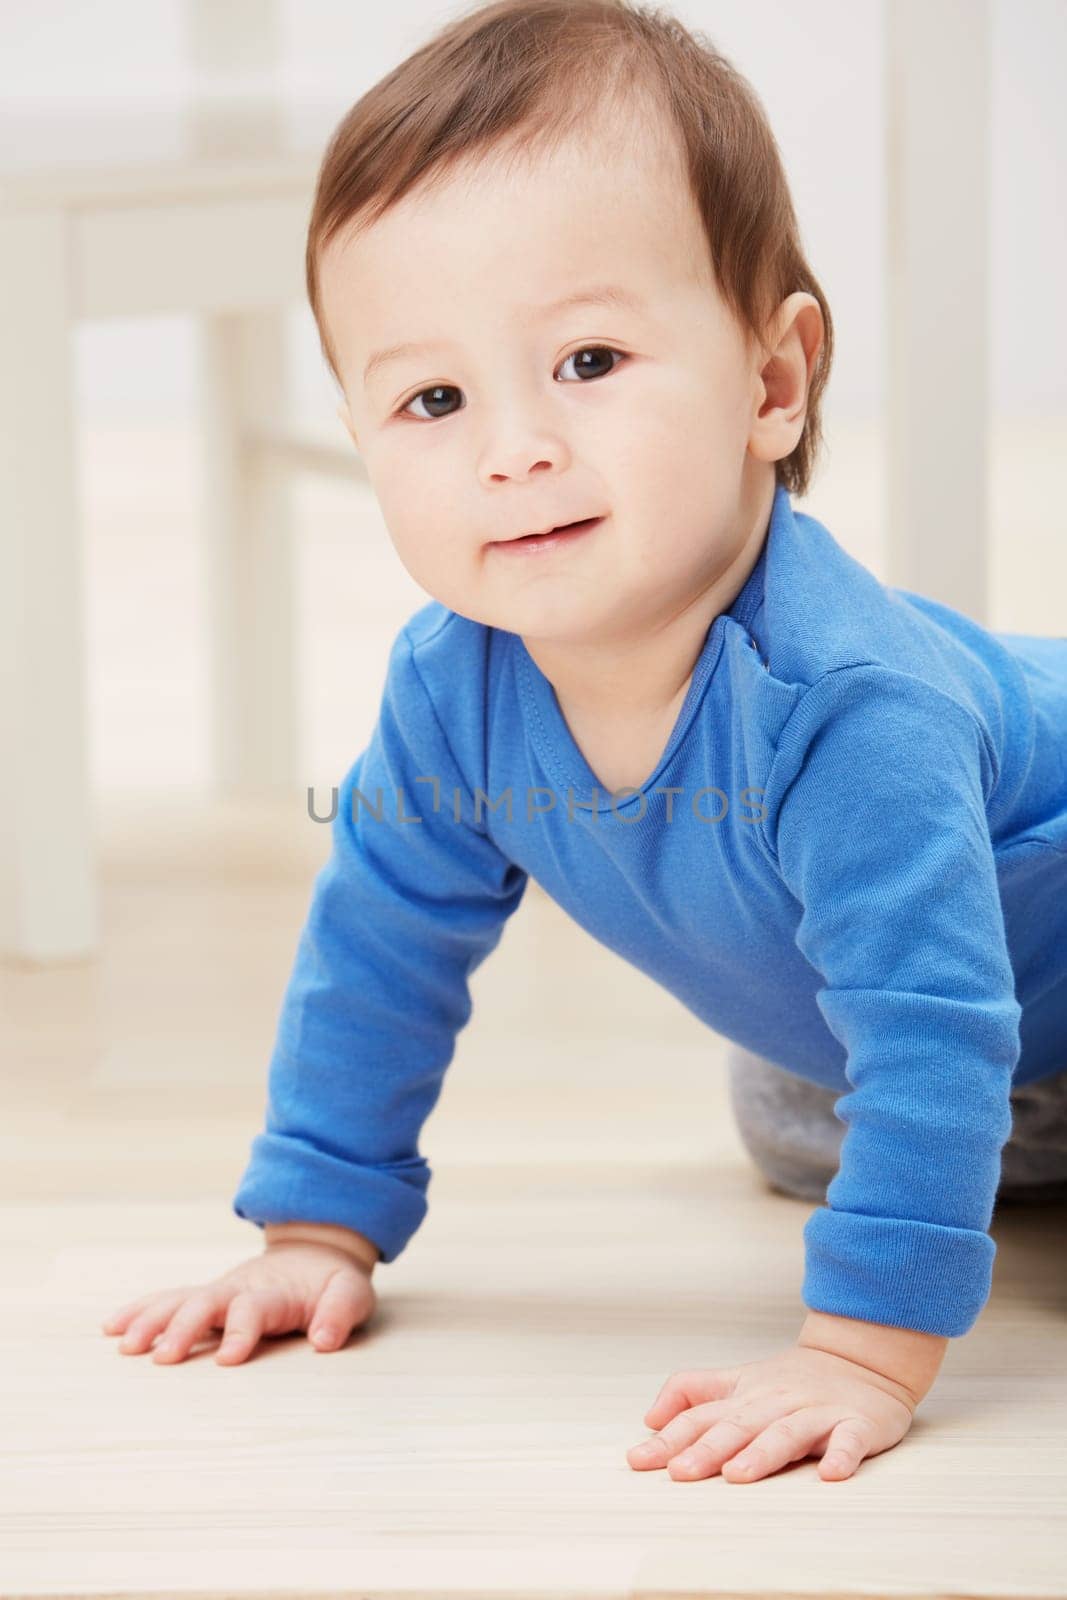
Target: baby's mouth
(562, 534)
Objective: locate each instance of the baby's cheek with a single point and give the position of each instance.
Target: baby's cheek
(441, 561)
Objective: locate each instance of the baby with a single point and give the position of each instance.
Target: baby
(830, 816)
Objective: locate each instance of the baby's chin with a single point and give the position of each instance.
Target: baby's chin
(578, 618)
(515, 613)
(538, 597)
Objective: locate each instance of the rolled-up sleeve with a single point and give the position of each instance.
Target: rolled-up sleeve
(879, 823)
(412, 899)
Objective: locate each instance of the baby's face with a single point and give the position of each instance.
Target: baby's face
(510, 417)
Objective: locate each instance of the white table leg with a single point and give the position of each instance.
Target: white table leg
(938, 106)
(247, 522)
(47, 869)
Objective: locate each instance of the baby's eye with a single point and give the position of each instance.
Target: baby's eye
(445, 388)
(596, 350)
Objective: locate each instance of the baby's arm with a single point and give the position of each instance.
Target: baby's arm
(876, 809)
(413, 897)
(363, 1249)
(910, 1359)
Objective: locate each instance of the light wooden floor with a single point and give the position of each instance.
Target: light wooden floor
(594, 1226)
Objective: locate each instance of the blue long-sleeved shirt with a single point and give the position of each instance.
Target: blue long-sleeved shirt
(851, 858)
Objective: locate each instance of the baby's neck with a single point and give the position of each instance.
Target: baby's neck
(622, 750)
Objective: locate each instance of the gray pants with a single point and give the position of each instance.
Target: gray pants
(787, 1125)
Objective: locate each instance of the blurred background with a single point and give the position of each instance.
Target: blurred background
(202, 892)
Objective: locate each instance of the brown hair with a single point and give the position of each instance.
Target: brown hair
(530, 70)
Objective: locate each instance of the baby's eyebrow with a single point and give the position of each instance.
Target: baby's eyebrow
(612, 295)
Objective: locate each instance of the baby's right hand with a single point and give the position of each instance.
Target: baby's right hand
(294, 1284)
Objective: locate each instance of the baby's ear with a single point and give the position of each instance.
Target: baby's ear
(346, 417)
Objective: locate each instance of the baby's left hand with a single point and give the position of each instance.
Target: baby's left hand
(749, 1421)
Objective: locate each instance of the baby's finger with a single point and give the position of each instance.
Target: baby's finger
(119, 1320)
(144, 1327)
(690, 1388)
(193, 1318)
(846, 1447)
(786, 1439)
(342, 1304)
(243, 1330)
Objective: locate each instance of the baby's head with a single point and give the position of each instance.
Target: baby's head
(533, 151)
